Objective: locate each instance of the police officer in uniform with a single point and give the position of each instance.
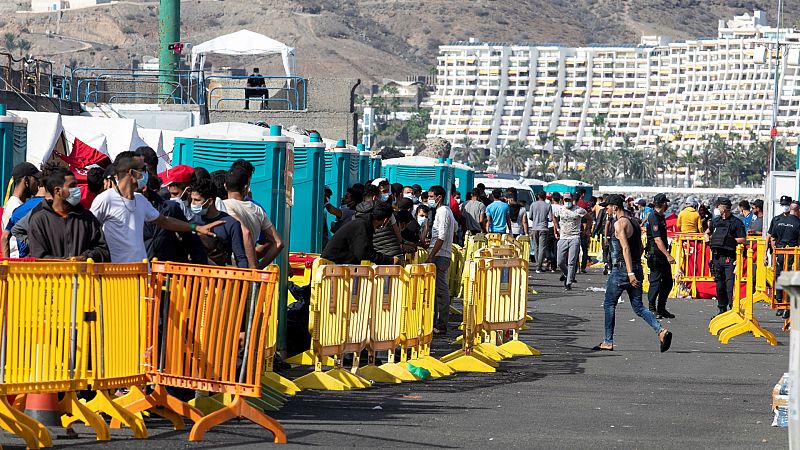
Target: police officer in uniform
(786, 203)
(659, 259)
(724, 233)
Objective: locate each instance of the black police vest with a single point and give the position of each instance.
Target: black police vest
(721, 238)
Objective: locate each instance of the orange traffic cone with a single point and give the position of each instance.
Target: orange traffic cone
(43, 408)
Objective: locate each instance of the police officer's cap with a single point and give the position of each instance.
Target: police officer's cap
(786, 200)
(660, 198)
(725, 201)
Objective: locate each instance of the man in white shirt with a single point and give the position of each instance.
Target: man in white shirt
(441, 250)
(567, 220)
(254, 220)
(123, 211)
(26, 183)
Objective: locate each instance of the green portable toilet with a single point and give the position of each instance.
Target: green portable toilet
(14, 142)
(216, 146)
(375, 168)
(363, 163)
(308, 214)
(570, 186)
(464, 177)
(420, 170)
(337, 175)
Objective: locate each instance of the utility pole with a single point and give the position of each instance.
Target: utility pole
(773, 132)
(169, 32)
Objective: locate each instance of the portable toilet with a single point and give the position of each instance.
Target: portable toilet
(464, 179)
(363, 163)
(14, 142)
(420, 170)
(216, 146)
(308, 214)
(337, 174)
(570, 186)
(375, 167)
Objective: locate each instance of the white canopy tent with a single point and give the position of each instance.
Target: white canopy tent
(243, 43)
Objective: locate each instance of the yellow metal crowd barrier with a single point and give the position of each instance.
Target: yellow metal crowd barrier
(595, 247)
(740, 318)
(378, 308)
(495, 304)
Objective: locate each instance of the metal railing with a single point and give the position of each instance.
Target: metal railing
(110, 85)
(290, 91)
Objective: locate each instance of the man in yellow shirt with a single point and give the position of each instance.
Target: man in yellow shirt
(689, 219)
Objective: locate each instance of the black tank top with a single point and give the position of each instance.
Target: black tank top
(634, 242)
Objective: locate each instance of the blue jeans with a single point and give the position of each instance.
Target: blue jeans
(617, 284)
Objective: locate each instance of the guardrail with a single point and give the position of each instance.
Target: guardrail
(288, 91)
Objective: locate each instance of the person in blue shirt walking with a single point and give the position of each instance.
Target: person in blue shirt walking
(746, 215)
(227, 244)
(497, 214)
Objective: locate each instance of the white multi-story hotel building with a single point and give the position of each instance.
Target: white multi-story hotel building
(682, 91)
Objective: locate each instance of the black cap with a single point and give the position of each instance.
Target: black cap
(725, 201)
(660, 198)
(25, 169)
(642, 202)
(615, 200)
(786, 200)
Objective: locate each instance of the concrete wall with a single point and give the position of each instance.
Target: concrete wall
(329, 110)
(331, 125)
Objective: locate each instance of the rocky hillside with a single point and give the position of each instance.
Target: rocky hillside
(369, 39)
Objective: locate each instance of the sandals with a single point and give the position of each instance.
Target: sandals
(665, 341)
(600, 348)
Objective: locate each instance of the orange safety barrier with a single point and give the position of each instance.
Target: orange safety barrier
(783, 260)
(208, 314)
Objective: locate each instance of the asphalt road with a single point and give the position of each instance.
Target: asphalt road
(700, 394)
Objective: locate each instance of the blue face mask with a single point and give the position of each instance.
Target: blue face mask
(432, 203)
(384, 197)
(74, 196)
(142, 182)
(198, 209)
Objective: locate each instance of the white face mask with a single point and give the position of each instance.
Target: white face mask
(568, 205)
(786, 208)
(74, 196)
(409, 196)
(422, 220)
(716, 212)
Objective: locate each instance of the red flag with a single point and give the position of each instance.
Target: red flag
(81, 157)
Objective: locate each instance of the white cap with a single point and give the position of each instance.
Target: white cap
(378, 181)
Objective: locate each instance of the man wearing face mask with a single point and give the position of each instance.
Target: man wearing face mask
(228, 241)
(26, 184)
(785, 203)
(177, 181)
(441, 250)
(61, 228)
(568, 221)
(353, 242)
(123, 212)
(725, 232)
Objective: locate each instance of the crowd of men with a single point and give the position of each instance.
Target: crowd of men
(127, 212)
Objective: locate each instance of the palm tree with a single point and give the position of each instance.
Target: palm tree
(566, 149)
(689, 159)
(512, 157)
(469, 153)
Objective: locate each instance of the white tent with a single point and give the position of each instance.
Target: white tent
(44, 130)
(118, 135)
(242, 43)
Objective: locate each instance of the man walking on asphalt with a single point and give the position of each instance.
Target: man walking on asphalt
(497, 214)
(659, 259)
(539, 215)
(626, 276)
(567, 222)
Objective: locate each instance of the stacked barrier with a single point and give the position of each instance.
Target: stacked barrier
(206, 314)
(740, 318)
(595, 248)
